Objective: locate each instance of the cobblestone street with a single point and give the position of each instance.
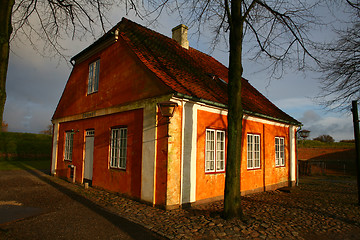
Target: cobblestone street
(319, 208)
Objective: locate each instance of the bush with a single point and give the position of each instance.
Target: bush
(325, 138)
(25, 145)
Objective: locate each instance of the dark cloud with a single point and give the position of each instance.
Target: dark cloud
(339, 128)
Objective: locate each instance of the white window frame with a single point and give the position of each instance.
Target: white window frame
(69, 141)
(93, 79)
(118, 148)
(253, 151)
(279, 151)
(214, 151)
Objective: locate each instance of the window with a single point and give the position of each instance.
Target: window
(279, 152)
(215, 151)
(253, 151)
(69, 136)
(118, 147)
(93, 83)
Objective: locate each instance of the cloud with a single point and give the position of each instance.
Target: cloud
(340, 128)
(23, 116)
(294, 103)
(310, 116)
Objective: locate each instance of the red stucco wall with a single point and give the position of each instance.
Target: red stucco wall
(123, 78)
(268, 174)
(161, 161)
(124, 181)
(210, 185)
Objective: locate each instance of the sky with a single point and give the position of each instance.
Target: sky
(35, 84)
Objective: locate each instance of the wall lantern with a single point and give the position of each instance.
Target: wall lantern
(304, 133)
(167, 110)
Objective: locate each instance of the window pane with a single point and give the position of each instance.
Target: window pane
(279, 151)
(253, 151)
(93, 81)
(123, 148)
(210, 151)
(68, 146)
(118, 148)
(220, 150)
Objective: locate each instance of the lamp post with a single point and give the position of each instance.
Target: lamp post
(167, 110)
(355, 112)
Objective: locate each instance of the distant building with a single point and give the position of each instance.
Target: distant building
(109, 125)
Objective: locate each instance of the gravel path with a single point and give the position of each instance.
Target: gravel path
(319, 208)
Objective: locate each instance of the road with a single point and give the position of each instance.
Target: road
(34, 206)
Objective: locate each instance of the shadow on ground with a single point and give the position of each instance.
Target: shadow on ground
(134, 230)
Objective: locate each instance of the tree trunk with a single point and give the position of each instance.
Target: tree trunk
(232, 194)
(5, 32)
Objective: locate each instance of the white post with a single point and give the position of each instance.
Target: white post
(55, 147)
(148, 166)
(293, 161)
(189, 144)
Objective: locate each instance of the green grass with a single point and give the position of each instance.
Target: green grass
(25, 144)
(318, 144)
(25, 164)
(24, 151)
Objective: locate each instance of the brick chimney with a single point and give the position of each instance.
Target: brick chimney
(179, 34)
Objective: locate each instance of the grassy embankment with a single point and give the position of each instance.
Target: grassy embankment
(318, 144)
(24, 150)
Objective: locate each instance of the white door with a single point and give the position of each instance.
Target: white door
(89, 152)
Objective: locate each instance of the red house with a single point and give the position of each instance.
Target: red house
(113, 125)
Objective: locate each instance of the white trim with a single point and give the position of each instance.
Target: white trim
(253, 151)
(118, 155)
(55, 148)
(215, 150)
(265, 121)
(222, 111)
(115, 109)
(280, 161)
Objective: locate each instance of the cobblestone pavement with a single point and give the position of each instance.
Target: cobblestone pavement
(319, 208)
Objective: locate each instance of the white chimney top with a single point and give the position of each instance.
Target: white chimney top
(179, 34)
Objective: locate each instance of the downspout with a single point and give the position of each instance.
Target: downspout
(263, 150)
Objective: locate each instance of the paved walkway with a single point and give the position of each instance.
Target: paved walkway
(320, 208)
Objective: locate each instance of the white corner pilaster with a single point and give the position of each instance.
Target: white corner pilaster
(293, 161)
(148, 165)
(189, 143)
(55, 147)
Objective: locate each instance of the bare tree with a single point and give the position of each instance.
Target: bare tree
(340, 62)
(48, 131)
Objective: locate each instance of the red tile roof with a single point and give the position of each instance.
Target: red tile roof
(190, 72)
